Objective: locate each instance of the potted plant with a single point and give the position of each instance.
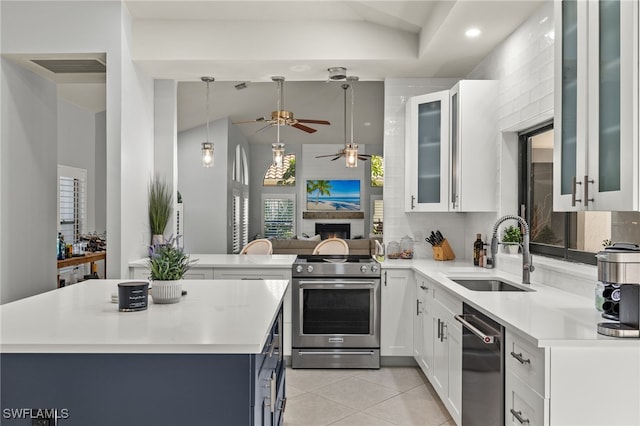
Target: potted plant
(167, 265)
(160, 208)
(511, 239)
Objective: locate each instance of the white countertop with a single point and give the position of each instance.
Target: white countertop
(548, 316)
(216, 316)
(233, 261)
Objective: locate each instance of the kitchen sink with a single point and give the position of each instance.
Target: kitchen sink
(492, 284)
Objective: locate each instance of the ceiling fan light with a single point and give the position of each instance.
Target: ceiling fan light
(351, 155)
(207, 154)
(337, 73)
(278, 154)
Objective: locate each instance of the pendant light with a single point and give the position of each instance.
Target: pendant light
(350, 149)
(278, 147)
(207, 147)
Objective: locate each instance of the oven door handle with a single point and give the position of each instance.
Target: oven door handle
(337, 284)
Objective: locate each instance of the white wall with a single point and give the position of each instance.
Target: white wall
(72, 27)
(204, 190)
(28, 171)
(77, 148)
(100, 217)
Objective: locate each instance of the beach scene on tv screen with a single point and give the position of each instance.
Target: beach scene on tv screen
(333, 195)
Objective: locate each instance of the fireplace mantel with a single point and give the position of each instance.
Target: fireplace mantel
(333, 215)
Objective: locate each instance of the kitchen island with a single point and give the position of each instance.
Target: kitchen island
(213, 358)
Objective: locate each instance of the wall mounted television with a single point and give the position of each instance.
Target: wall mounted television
(333, 195)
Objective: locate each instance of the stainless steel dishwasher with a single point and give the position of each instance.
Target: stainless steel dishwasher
(482, 369)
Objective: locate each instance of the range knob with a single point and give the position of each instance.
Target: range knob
(309, 268)
(298, 268)
(374, 268)
(363, 269)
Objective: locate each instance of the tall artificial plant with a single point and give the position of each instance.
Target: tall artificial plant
(160, 205)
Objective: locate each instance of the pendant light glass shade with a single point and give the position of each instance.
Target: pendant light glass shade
(207, 154)
(351, 155)
(278, 154)
(207, 147)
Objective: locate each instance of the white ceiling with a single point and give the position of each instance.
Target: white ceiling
(240, 40)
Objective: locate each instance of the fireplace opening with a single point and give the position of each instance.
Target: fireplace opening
(333, 230)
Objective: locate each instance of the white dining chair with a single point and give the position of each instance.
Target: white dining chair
(259, 246)
(332, 246)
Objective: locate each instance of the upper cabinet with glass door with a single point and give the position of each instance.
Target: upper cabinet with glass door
(427, 153)
(450, 149)
(596, 104)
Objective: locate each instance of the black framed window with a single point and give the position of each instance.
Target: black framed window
(555, 234)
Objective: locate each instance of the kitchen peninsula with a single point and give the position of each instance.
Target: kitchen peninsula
(203, 360)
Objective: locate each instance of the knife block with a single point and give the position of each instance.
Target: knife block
(443, 251)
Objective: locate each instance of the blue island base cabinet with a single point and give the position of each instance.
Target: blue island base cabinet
(141, 389)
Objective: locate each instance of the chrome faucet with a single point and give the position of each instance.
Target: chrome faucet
(527, 260)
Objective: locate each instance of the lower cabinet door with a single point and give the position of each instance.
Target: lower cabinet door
(523, 406)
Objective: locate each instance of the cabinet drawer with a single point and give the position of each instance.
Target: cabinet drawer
(525, 361)
(523, 406)
(260, 274)
(450, 302)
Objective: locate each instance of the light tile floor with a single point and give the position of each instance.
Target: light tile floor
(389, 396)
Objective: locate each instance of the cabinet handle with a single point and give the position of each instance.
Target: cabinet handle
(439, 329)
(272, 406)
(520, 358)
(417, 306)
(574, 200)
(443, 336)
(586, 190)
(424, 287)
(385, 278)
(413, 202)
(251, 278)
(518, 416)
(283, 404)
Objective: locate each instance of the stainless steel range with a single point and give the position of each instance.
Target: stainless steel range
(336, 312)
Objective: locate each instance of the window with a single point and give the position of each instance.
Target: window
(278, 213)
(285, 175)
(575, 236)
(377, 217)
(377, 170)
(72, 205)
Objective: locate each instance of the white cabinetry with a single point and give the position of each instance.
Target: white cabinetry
(438, 342)
(451, 149)
(526, 382)
(396, 321)
(195, 273)
(596, 106)
(423, 339)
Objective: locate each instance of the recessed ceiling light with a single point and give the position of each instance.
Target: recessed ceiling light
(472, 32)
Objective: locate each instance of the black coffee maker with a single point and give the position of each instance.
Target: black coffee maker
(619, 275)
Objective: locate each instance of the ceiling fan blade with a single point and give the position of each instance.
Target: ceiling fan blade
(362, 157)
(304, 120)
(304, 128)
(257, 120)
(328, 155)
(334, 159)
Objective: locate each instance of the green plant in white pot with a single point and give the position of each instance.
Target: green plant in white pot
(511, 239)
(160, 208)
(167, 265)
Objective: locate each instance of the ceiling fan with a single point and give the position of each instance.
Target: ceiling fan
(282, 117)
(350, 150)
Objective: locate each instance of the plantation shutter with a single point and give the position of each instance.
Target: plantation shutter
(278, 217)
(245, 219)
(235, 242)
(72, 202)
(378, 211)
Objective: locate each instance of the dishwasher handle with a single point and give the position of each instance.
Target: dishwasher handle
(487, 337)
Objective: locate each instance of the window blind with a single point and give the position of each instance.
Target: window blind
(378, 211)
(235, 242)
(245, 220)
(72, 202)
(278, 216)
